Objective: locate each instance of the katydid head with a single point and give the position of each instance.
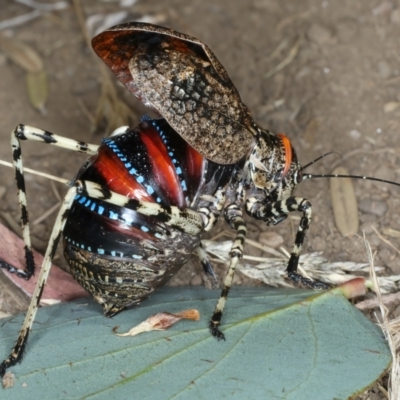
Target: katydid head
(273, 165)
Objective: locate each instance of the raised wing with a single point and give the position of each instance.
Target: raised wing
(181, 79)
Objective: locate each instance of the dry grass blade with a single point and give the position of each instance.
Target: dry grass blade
(109, 107)
(19, 20)
(387, 299)
(29, 60)
(291, 19)
(36, 83)
(59, 5)
(390, 106)
(46, 214)
(391, 330)
(286, 61)
(391, 232)
(272, 270)
(344, 203)
(38, 173)
(385, 240)
(22, 54)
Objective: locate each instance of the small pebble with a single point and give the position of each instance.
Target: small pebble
(355, 134)
(197, 280)
(318, 244)
(384, 69)
(395, 16)
(375, 207)
(367, 227)
(387, 256)
(3, 60)
(319, 34)
(270, 239)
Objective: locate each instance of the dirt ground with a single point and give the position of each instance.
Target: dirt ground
(338, 92)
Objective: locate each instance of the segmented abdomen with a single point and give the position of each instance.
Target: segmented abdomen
(121, 256)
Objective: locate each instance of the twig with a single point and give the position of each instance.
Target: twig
(385, 240)
(60, 5)
(387, 299)
(285, 62)
(20, 20)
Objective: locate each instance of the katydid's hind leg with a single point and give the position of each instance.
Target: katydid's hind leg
(207, 267)
(23, 132)
(233, 215)
(187, 220)
(19, 177)
(17, 352)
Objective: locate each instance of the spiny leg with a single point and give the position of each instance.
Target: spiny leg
(18, 349)
(275, 212)
(19, 177)
(210, 214)
(23, 132)
(303, 205)
(233, 215)
(187, 220)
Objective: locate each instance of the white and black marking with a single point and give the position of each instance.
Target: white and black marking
(171, 152)
(116, 213)
(234, 217)
(187, 220)
(241, 167)
(18, 349)
(24, 132)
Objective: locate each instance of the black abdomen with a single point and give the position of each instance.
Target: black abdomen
(121, 256)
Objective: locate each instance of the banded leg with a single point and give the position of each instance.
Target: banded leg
(272, 214)
(231, 193)
(187, 220)
(212, 211)
(23, 132)
(233, 215)
(16, 354)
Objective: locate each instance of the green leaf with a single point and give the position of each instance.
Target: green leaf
(280, 344)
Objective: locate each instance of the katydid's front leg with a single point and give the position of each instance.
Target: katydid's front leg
(273, 213)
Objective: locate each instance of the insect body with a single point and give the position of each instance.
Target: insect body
(138, 207)
(121, 256)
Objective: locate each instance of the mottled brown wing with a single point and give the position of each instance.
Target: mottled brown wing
(180, 78)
